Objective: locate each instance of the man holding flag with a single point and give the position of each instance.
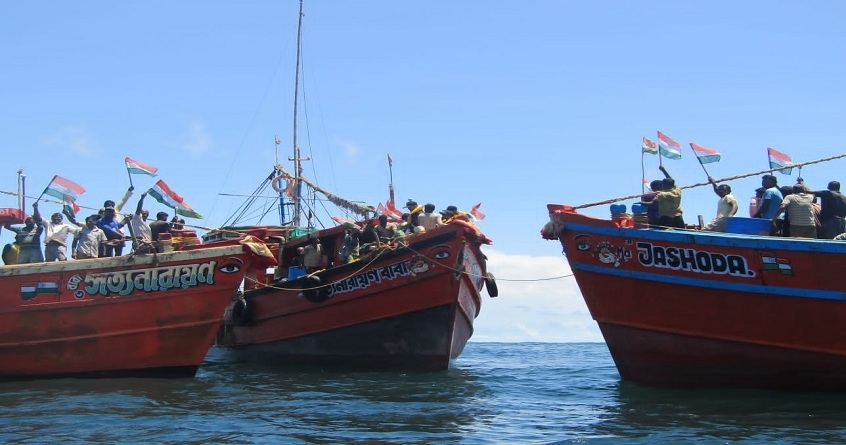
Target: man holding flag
(55, 234)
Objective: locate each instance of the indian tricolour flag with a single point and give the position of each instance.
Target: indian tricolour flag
(780, 161)
(139, 168)
(669, 148)
(705, 155)
(649, 147)
(165, 195)
(65, 190)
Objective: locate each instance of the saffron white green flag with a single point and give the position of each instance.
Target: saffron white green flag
(165, 195)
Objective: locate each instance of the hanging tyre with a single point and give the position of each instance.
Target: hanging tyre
(240, 312)
(490, 284)
(313, 291)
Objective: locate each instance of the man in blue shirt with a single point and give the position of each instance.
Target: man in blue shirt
(770, 202)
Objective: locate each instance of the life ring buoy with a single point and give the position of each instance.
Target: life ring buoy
(240, 311)
(313, 291)
(274, 182)
(490, 284)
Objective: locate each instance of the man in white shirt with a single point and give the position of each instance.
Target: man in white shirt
(55, 235)
(429, 219)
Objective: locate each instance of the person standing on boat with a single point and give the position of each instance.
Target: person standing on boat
(430, 220)
(157, 227)
(112, 227)
(414, 211)
(648, 199)
(55, 234)
(726, 207)
(832, 211)
(383, 232)
(312, 255)
(769, 204)
(138, 226)
(28, 239)
(669, 203)
(86, 243)
(800, 211)
(350, 246)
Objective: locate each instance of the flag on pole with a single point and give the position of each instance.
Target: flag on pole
(705, 155)
(476, 213)
(780, 161)
(669, 148)
(393, 210)
(390, 161)
(649, 147)
(165, 195)
(139, 168)
(276, 140)
(65, 190)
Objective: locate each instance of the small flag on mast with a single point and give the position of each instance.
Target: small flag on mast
(780, 161)
(649, 146)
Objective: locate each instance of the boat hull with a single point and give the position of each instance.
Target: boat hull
(411, 307)
(687, 308)
(139, 315)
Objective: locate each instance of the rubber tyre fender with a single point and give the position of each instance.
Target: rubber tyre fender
(490, 284)
(311, 291)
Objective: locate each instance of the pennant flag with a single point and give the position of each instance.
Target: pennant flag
(381, 209)
(476, 213)
(644, 181)
(390, 161)
(348, 223)
(780, 161)
(163, 194)
(705, 155)
(65, 190)
(139, 168)
(276, 140)
(669, 148)
(649, 147)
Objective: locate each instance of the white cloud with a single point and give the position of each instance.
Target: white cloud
(196, 139)
(539, 301)
(76, 138)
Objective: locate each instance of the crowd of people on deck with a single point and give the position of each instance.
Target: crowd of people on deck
(101, 235)
(794, 211)
(358, 240)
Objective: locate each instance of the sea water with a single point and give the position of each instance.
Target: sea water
(495, 393)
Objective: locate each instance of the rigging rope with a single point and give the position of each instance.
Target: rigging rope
(699, 184)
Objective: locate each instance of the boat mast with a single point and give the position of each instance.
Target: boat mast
(297, 160)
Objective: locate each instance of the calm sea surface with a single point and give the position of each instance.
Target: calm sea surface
(495, 393)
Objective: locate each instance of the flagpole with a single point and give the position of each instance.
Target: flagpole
(391, 184)
(130, 177)
(700, 162)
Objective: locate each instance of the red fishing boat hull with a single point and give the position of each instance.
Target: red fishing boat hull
(409, 307)
(688, 308)
(139, 315)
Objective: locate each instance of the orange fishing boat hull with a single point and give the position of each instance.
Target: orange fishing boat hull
(409, 307)
(689, 308)
(134, 315)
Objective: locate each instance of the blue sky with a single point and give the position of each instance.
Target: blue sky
(511, 104)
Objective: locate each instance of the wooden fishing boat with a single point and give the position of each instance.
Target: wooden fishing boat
(139, 315)
(407, 303)
(691, 308)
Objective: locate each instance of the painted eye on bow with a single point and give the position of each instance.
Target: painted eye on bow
(441, 255)
(230, 268)
(583, 246)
